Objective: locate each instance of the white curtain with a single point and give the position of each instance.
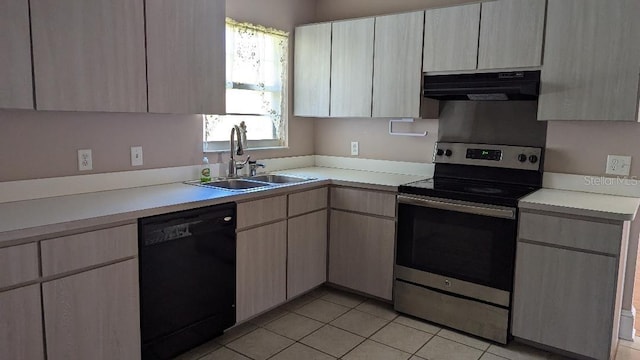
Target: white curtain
(257, 59)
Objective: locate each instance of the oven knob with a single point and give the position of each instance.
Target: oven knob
(447, 283)
(533, 159)
(439, 152)
(447, 153)
(522, 157)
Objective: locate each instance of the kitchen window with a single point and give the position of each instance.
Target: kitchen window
(256, 62)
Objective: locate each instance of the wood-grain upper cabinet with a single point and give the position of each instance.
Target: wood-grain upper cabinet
(16, 89)
(591, 61)
(312, 70)
(261, 281)
(352, 68)
(89, 55)
(397, 66)
(186, 56)
(94, 314)
(307, 252)
(568, 283)
(511, 34)
(21, 324)
(451, 38)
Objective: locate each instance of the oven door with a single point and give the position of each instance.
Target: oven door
(466, 241)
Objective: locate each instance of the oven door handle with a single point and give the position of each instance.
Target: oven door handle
(464, 208)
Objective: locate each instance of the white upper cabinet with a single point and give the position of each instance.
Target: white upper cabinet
(397, 65)
(186, 56)
(352, 68)
(312, 70)
(16, 90)
(451, 38)
(511, 34)
(89, 55)
(591, 65)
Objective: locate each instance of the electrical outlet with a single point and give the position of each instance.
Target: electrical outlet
(618, 165)
(354, 148)
(136, 156)
(85, 162)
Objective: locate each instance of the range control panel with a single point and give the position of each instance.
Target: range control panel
(503, 156)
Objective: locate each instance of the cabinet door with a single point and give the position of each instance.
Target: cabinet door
(451, 38)
(186, 56)
(511, 33)
(261, 269)
(306, 253)
(21, 324)
(361, 253)
(89, 55)
(565, 299)
(591, 61)
(352, 68)
(16, 90)
(94, 314)
(397, 66)
(312, 70)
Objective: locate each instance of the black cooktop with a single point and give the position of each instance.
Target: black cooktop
(486, 192)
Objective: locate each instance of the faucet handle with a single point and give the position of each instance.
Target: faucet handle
(253, 167)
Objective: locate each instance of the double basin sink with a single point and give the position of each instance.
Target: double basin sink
(254, 182)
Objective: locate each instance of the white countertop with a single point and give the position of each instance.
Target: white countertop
(355, 177)
(579, 203)
(40, 217)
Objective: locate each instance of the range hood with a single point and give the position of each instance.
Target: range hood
(516, 85)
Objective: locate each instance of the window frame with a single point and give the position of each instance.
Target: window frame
(277, 143)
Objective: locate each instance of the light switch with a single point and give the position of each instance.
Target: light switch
(136, 156)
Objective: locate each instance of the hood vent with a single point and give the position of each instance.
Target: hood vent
(517, 85)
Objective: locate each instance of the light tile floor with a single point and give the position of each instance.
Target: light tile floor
(330, 324)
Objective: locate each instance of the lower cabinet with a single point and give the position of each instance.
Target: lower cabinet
(21, 324)
(361, 253)
(568, 283)
(93, 315)
(261, 269)
(306, 252)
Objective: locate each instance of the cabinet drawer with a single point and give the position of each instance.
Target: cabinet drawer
(261, 211)
(88, 249)
(18, 264)
(370, 202)
(573, 233)
(307, 201)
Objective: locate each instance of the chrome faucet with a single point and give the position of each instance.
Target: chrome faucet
(234, 166)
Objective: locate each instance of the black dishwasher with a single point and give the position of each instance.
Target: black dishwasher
(187, 278)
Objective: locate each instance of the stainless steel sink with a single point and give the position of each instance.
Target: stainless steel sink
(236, 184)
(278, 179)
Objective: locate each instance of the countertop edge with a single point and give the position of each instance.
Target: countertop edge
(60, 229)
(580, 203)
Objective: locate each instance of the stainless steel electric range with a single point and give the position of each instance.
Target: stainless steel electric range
(456, 236)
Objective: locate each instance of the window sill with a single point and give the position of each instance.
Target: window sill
(249, 149)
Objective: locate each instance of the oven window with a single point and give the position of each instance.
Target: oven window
(469, 247)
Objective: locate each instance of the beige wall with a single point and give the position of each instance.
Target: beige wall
(44, 144)
(334, 136)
